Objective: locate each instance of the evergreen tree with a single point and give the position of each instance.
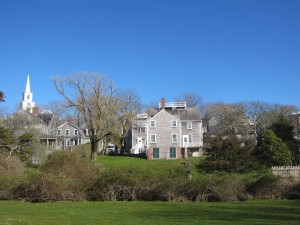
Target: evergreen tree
(271, 151)
(228, 154)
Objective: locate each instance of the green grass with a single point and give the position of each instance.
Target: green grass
(249, 212)
(133, 162)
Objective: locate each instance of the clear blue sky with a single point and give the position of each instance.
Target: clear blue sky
(224, 50)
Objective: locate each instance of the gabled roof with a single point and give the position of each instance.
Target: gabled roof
(183, 114)
(46, 116)
(160, 113)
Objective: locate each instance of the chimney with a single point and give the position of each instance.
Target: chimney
(163, 103)
(35, 110)
(70, 120)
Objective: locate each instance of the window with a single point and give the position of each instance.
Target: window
(172, 153)
(174, 138)
(152, 123)
(152, 138)
(189, 125)
(141, 130)
(59, 132)
(67, 132)
(75, 132)
(28, 96)
(174, 123)
(155, 153)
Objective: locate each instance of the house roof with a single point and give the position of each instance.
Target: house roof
(45, 116)
(183, 114)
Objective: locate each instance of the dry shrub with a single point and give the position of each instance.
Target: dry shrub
(293, 192)
(11, 166)
(227, 188)
(11, 169)
(267, 187)
(64, 176)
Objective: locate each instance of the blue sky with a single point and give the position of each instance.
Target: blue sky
(224, 50)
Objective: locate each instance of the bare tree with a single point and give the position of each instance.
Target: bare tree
(224, 119)
(254, 113)
(92, 94)
(128, 107)
(192, 99)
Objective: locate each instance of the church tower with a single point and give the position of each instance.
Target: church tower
(27, 103)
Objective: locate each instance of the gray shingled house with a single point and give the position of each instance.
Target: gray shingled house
(170, 131)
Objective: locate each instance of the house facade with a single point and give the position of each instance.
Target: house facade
(170, 131)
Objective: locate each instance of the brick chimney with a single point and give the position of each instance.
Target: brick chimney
(163, 103)
(35, 110)
(70, 120)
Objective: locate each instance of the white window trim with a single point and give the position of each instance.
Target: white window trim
(151, 138)
(189, 125)
(75, 132)
(66, 132)
(174, 140)
(59, 132)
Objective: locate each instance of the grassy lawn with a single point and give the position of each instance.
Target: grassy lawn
(249, 212)
(138, 163)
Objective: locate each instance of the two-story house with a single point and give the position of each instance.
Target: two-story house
(69, 135)
(170, 131)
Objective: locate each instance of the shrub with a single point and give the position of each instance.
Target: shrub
(64, 176)
(293, 192)
(267, 187)
(10, 170)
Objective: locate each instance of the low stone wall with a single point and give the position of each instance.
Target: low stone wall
(286, 171)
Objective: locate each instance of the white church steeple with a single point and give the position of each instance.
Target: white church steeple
(27, 103)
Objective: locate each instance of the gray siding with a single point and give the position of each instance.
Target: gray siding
(163, 130)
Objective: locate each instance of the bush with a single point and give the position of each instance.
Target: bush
(293, 192)
(64, 176)
(10, 171)
(11, 166)
(267, 187)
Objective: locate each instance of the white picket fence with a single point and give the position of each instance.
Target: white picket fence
(286, 171)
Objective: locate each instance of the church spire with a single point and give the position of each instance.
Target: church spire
(27, 84)
(27, 103)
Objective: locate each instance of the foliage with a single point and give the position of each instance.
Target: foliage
(271, 151)
(228, 154)
(64, 176)
(10, 170)
(283, 129)
(5, 137)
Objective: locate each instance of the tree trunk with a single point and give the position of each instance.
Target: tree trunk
(94, 148)
(122, 151)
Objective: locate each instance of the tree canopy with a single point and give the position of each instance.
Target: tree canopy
(271, 151)
(228, 154)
